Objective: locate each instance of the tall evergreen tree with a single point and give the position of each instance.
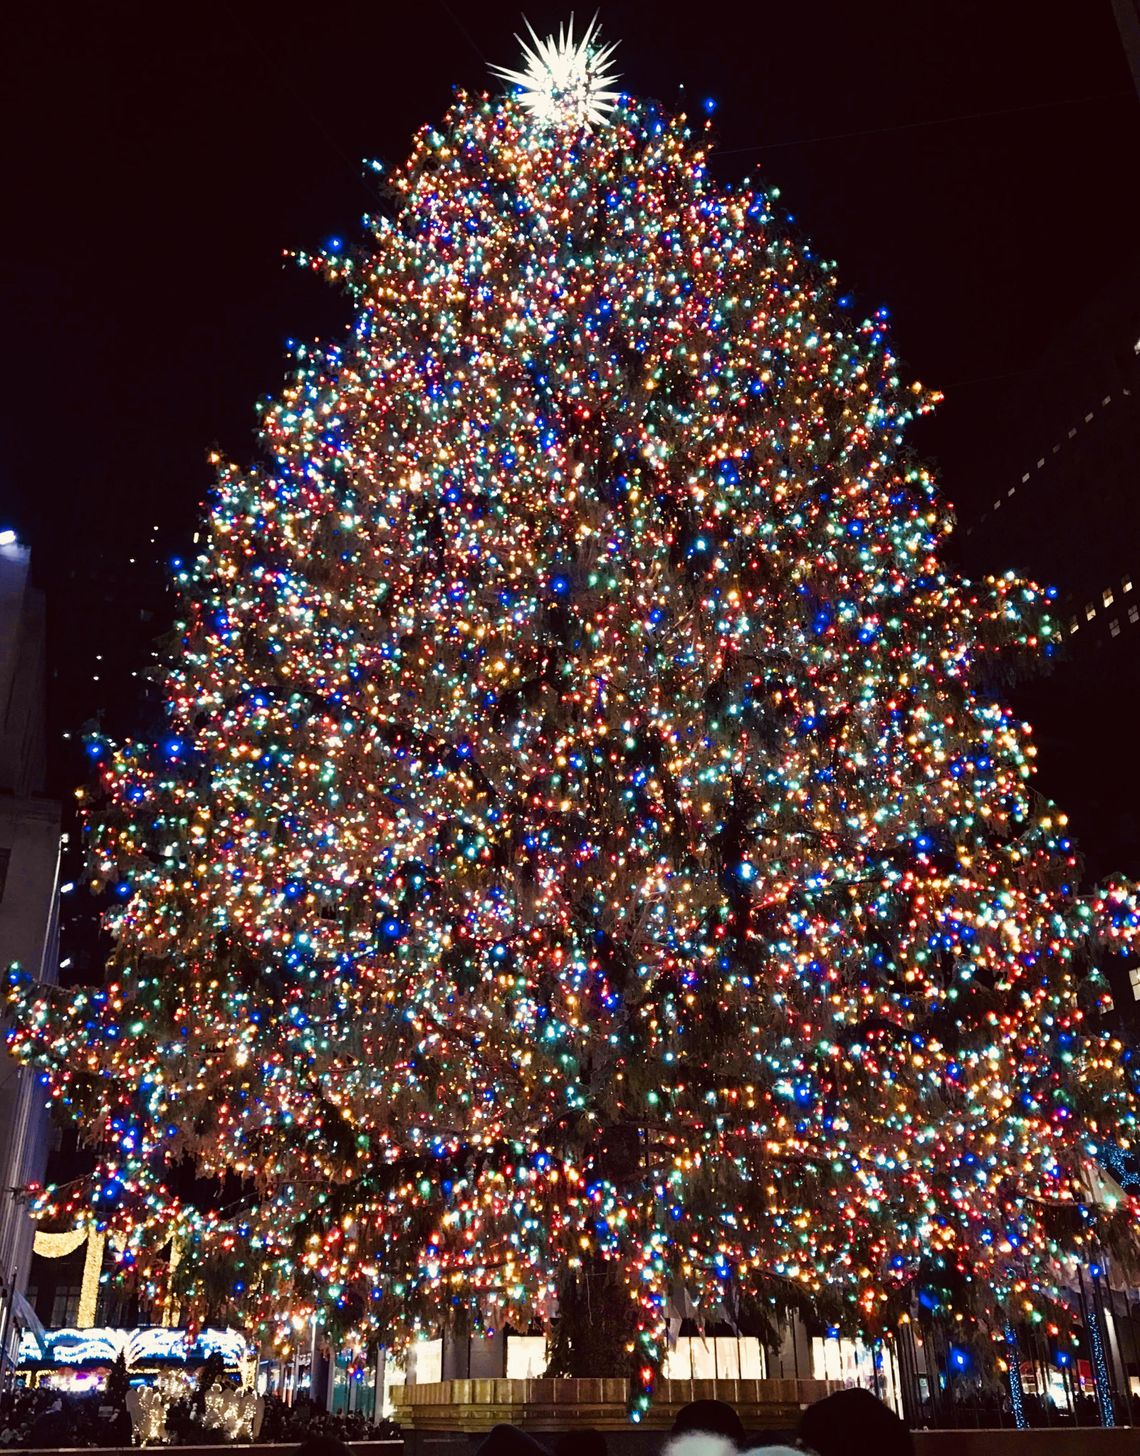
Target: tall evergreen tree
(587, 850)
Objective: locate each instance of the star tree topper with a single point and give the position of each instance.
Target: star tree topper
(566, 82)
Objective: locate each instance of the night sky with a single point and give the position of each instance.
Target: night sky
(971, 166)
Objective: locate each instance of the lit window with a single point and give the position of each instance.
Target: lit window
(1126, 584)
(1074, 625)
(1134, 977)
(1041, 462)
(1108, 597)
(1114, 627)
(1025, 477)
(1134, 613)
(1090, 612)
(1072, 432)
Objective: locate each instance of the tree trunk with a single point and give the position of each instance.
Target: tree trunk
(596, 1323)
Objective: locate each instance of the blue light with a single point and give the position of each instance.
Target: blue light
(560, 585)
(710, 105)
(1015, 1392)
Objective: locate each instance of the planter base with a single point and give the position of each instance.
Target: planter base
(474, 1406)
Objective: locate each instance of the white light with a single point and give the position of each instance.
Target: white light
(565, 81)
(7, 538)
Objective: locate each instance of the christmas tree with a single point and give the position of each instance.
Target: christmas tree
(588, 854)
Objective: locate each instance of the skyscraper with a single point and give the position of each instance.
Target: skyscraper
(1063, 463)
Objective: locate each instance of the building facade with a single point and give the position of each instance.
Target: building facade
(29, 905)
(1063, 464)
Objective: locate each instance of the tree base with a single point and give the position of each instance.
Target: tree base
(472, 1406)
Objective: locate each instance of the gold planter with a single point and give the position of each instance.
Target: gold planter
(471, 1406)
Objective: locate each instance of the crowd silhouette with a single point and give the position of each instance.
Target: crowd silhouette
(45, 1419)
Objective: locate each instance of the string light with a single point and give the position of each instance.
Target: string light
(1102, 1381)
(1016, 1395)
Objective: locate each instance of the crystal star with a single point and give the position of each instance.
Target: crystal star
(565, 81)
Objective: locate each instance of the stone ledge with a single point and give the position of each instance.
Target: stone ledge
(471, 1406)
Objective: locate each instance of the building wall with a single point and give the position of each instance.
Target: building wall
(29, 889)
(1061, 476)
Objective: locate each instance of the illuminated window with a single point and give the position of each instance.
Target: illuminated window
(1114, 627)
(1126, 584)
(1108, 597)
(1134, 977)
(1134, 613)
(1090, 612)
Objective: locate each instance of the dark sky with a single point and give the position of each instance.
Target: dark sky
(971, 165)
